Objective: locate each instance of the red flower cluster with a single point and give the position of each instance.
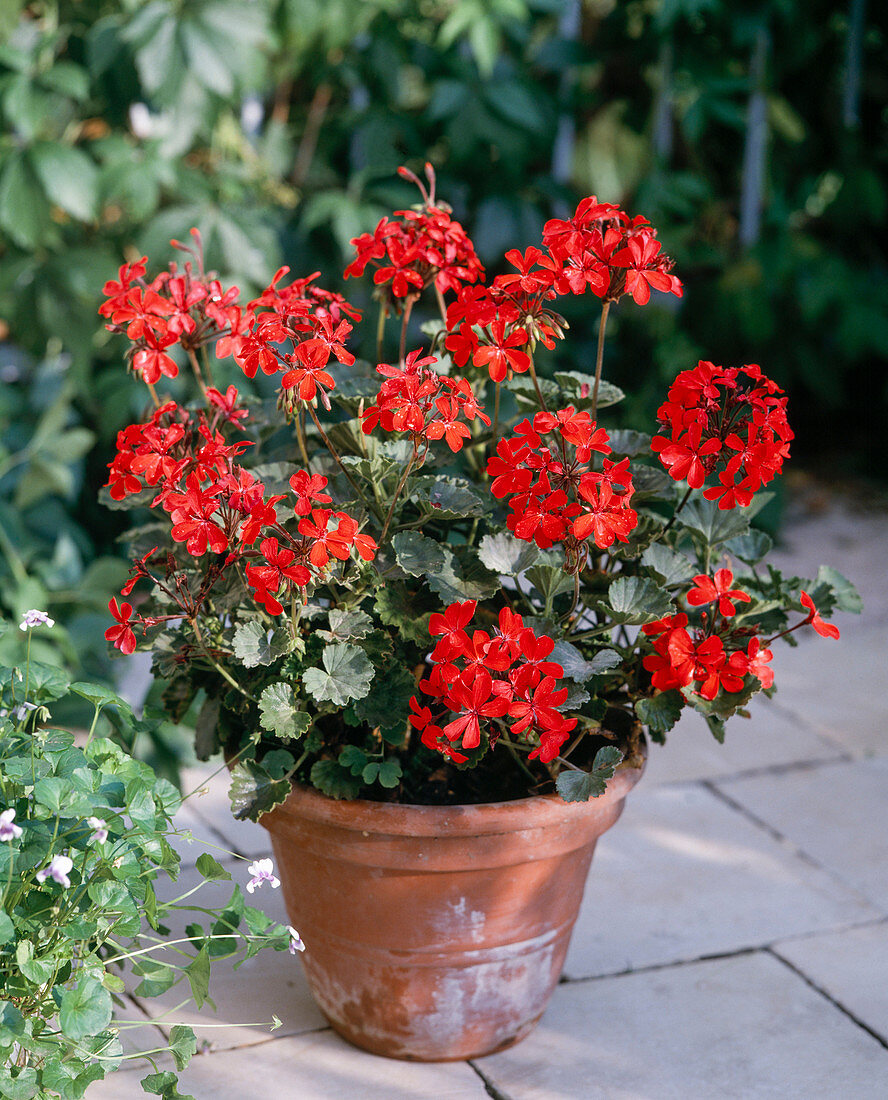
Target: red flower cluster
(417, 248)
(311, 321)
(177, 307)
(556, 495)
(427, 405)
(480, 677)
(730, 421)
(603, 250)
(682, 658)
(215, 504)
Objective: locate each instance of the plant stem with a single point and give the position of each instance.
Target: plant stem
(514, 753)
(154, 396)
(299, 424)
(496, 404)
(335, 455)
(401, 483)
(599, 357)
(536, 386)
(198, 374)
(380, 330)
(223, 672)
(442, 306)
(681, 505)
(405, 320)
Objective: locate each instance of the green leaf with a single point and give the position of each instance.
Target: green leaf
(504, 554)
(256, 645)
(182, 1044)
(637, 600)
(164, 1085)
(450, 498)
(387, 773)
(346, 625)
(396, 606)
(24, 213)
(669, 565)
(387, 703)
(198, 972)
(346, 674)
(574, 786)
(578, 389)
(279, 713)
(417, 554)
(257, 788)
(21, 1087)
(85, 1009)
(69, 178)
(846, 595)
(333, 780)
(550, 581)
(7, 928)
(210, 868)
(660, 712)
(713, 524)
(463, 577)
(100, 696)
(751, 547)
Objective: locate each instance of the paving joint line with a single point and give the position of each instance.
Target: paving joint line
(880, 1039)
(785, 841)
(489, 1087)
(654, 967)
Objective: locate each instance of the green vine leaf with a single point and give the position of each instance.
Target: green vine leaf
(255, 645)
(279, 713)
(85, 1010)
(660, 712)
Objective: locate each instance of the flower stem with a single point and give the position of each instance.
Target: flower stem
(391, 512)
(599, 358)
(335, 455)
(496, 404)
(536, 386)
(299, 425)
(405, 320)
(380, 330)
(198, 374)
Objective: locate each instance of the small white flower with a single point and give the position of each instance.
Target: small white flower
(101, 833)
(58, 869)
(262, 871)
(35, 618)
(8, 829)
(296, 943)
(22, 712)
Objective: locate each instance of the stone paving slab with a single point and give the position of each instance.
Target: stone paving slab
(840, 688)
(771, 737)
(272, 983)
(319, 1066)
(744, 1028)
(837, 814)
(683, 875)
(851, 967)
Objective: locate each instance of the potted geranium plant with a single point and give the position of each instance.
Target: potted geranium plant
(433, 601)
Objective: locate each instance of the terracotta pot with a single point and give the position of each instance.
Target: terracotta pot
(434, 932)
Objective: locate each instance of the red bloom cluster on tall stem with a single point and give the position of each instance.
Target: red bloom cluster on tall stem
(725, 421)
(417, 248)
(556, 494)
(486, 681)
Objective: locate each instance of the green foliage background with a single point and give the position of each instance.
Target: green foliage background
(753, 134)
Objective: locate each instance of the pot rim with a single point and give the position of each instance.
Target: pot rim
(414, 819)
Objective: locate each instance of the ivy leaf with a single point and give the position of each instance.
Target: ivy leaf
(670, 566)
(165, 1085)
(182, 1044)
(279, 714)
(346, 674)
(576, 786)
(846, 595)
(504, 554)
(660, 712)
(637, 600)
(417, 554)
(211, 868)
(255, 645)
(334, 781)
(21, 1087)
(85, 1009)
(198, 972)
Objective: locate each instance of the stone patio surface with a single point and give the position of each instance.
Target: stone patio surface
(733, 940)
